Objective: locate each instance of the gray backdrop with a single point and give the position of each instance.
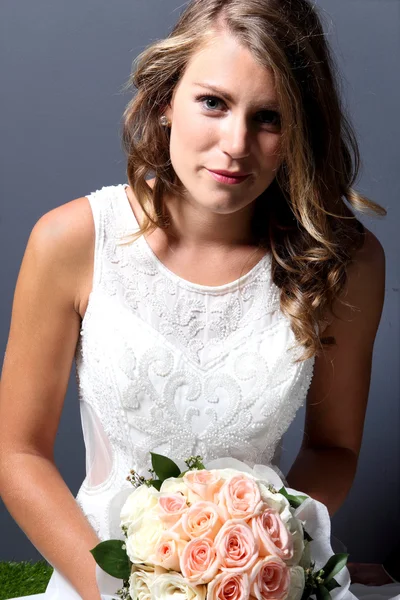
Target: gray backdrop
(62, 69)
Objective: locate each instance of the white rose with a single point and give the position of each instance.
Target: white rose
(140, 584)
(141, 500)
(297, 583)
(296, 529)
(306, 559)
(143, 537)
(174, 485)
(169, 585)
(277, 502)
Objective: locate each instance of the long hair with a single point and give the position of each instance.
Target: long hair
(306, 216)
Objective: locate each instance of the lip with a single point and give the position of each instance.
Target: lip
(230, 173)
(227, 179)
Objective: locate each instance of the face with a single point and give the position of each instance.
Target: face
(210, 131)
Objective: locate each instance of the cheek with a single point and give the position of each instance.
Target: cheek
(272, 148)
(271, 154)
(188, 138)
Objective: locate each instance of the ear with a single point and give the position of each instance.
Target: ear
(168, 111)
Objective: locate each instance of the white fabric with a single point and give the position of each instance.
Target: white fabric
(173, 367)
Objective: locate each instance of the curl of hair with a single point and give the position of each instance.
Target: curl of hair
(305, 217)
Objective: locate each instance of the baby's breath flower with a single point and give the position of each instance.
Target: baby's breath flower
(195, 462)
(135, 479)
(123, 593)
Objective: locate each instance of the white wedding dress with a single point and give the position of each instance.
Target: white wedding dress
(177, 368)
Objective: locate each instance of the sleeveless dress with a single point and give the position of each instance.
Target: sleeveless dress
(177, 368)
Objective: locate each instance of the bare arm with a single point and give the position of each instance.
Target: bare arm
(43, 334)
(336, 404)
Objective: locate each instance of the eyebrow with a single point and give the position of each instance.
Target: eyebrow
(268, 105)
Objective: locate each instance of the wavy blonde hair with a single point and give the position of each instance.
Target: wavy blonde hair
(302, 217)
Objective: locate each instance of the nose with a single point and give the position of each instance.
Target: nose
(235, 137)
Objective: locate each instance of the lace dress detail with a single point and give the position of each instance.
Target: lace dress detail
(174, 367)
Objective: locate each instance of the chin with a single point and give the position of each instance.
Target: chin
(226, 207)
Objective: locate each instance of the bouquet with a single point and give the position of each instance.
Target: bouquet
(225, 532)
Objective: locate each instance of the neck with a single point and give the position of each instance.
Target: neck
(193, 226)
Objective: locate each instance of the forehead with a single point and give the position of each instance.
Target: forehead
(225, 63)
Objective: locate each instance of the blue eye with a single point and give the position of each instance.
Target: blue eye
(272, 117)
(205, 98)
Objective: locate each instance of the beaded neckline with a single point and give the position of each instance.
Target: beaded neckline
(131, 220)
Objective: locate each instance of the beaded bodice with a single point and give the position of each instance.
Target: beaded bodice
(173, 367)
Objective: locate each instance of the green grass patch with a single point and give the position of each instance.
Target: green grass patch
(23, 578)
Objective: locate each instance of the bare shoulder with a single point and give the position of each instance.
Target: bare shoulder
(365, 286)
(68, 228)
(372, 251)
(63, 239)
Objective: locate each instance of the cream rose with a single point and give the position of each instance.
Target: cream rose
(277, 502)
(306, 559)
(270, 579)
(297, 583)
(201, 520)
(169, 585)
(175, 485)
(296, 529)
(140, 584)
(239, 498)
(199, 561)
(236, 546)
(143, 537)
(204, 483)
(229, 586)
(139, 502)
(272, 535)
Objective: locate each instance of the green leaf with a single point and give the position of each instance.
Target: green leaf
(112, 558)
(164, 467)
(183, 473)
(322, 593)
(332, 584)
(294, 501)
(334, 565)
(156, 483)
(307, 536)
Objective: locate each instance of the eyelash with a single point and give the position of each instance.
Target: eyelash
(275, 114)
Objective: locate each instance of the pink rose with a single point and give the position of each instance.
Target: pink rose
(272, 535)
(201, 520)
(168, 551)
(229, 586)
(270, 579)
(171, 507)
(203, 483)
(236, 546)
(239, 498)
(199, 561)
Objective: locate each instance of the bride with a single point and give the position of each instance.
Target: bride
(205, 305)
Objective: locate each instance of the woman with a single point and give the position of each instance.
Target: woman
(248, 291)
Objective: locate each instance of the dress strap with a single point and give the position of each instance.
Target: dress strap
(104, 224)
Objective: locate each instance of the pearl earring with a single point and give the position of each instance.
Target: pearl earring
(164, 121)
